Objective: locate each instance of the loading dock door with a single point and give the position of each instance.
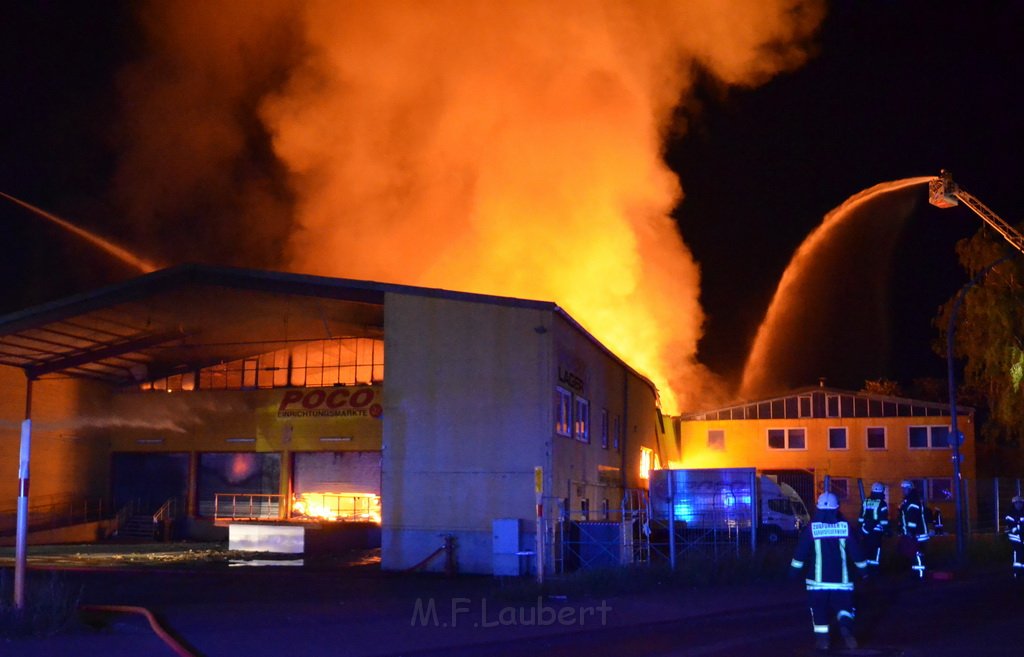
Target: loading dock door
(336, 485)
(337, 472)
(149, 479)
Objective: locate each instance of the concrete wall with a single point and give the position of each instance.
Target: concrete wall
(467, 419)
(68, 456)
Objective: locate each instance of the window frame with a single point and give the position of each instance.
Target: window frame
(787, 438)
(716, 445)
(885, 438)
(563, 412)
(581, 420)
(846, 438)
(930, 433)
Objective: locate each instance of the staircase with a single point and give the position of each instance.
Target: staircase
(139, 527)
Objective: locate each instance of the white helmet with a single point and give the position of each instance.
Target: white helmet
(828, 501)
(878, 487)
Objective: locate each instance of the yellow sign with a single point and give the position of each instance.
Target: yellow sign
(538, 479)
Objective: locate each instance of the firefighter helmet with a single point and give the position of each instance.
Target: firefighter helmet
(828, 501)
(878, 487)
(1017, 499)
(906, 483)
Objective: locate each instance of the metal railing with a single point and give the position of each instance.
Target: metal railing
(246, 506)
(58, 511)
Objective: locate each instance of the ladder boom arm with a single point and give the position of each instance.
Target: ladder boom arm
(943, 192)
(1009, 233)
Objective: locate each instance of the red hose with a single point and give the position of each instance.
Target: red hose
(164, 635)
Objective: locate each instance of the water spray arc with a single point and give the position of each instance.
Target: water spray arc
(758, 375)
(118, 252)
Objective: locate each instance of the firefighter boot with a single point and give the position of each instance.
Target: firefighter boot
(848, 639)
(821, 642)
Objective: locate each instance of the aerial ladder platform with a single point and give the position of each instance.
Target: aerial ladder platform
(943, 192)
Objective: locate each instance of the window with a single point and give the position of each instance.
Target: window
(604, 428)
(832, 406)
(934, 437)
(805, 406)
(940, 489)
(837, 438)
(563, 411)
(787, 439)
(581, 425)
(646, 462)
(841, 487)
(876, 437)
(716, 439)
(310, 364)
(939, 437)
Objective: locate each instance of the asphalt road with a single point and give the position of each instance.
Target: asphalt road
(362, 612)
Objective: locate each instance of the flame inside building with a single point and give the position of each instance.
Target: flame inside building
(510, 149)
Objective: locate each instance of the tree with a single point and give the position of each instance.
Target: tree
(882, 387)
(989, 337)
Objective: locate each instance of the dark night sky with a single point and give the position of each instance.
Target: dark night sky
(898, 88)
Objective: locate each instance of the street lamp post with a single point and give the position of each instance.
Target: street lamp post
(954, 431)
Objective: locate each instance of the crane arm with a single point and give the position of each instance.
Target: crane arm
(944, 193)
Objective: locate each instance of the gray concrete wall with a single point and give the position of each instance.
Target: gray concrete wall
(467, 417)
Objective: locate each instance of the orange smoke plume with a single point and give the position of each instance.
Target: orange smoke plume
(507, 148)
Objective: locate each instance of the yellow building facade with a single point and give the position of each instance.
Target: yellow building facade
(847, 439)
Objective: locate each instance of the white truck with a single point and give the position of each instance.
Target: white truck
(727, 499)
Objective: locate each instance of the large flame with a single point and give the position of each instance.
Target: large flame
(335, 507)
(509, 148)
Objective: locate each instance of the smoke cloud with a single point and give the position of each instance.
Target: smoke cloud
(507, 148)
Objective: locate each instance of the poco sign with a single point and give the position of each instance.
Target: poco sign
(330, 402)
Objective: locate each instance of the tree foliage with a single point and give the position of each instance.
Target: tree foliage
(989, 335)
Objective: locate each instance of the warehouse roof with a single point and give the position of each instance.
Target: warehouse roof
(191, 316)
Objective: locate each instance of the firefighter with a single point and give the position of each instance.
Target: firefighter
(914, 530)
(1013, 523)
(825, 548)
(874, 523)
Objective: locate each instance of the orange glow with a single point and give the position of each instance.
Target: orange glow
(506, 148)
(649, 460)
(335, 507)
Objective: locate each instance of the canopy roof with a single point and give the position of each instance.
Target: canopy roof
(185, 318)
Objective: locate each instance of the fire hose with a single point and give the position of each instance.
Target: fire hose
(172, 642)
(449, 561)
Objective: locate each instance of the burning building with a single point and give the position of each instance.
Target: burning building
(231, 397)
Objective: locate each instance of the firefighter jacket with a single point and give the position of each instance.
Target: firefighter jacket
(826, 549)
(1013, 522)
(874, 515)
(913, 519)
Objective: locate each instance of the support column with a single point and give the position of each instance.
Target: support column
(21, 540)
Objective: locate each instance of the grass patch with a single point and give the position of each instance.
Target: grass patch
(51, 606)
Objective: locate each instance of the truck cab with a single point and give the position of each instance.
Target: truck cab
(783, 513)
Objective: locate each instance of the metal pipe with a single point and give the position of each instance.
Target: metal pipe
(671, 520)
(21, 533)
